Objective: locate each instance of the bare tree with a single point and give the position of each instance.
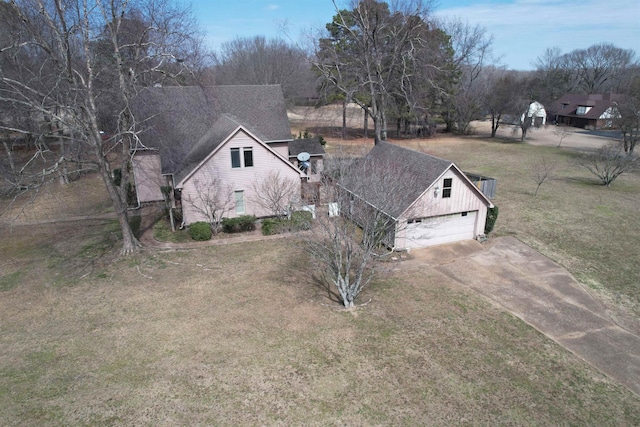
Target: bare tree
(562, 132)
(359, 226)
(213, 200)
(472, 50)
(541, 170)
(277, 194)
(609, 162)
(386, 56)
(502, 88)
(554, 75)
(527, 111)
(260, 61)
(78, 65)
(628, 118)
(599, 67)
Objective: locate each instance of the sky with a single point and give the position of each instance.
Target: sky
(522, 29)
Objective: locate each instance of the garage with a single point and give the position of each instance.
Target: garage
(440, 229)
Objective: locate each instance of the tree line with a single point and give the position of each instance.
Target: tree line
(410, 72)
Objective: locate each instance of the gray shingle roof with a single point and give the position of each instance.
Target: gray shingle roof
(401, 173)
(306, 145)
(220, 130)
(175, 118)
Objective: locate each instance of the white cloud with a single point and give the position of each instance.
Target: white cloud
(273, 7)
(525, 28)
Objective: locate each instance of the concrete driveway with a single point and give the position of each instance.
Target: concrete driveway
(544, 295)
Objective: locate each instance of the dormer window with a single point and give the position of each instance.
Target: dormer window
(582, 109)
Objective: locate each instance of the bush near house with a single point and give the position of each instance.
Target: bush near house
(271, 226)
(300, 220)
(239, 224)
(492, 216)
(200, 231)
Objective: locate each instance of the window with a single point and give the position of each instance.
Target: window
(235, 157)
(446, 188)
(582, 109)
(248, 157)
(239, 197)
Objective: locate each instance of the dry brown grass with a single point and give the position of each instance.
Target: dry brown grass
(590, 229)
(85, 196)
(239, 335)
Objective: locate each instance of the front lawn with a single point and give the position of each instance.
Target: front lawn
(241, 335)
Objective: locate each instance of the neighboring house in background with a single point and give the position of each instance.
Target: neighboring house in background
(316, 153)
(212, 145)
(536, 113)
(436, 202)
(593, 111)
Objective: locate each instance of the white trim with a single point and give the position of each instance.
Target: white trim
(437, 180)
(240, 128)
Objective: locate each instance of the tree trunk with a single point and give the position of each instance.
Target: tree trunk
(366, 123)
(384, 124)
(377, 130)
(376, 116)
(495, 124)
(129, 242)
(9, 151)
(344, 118)
(64, 173)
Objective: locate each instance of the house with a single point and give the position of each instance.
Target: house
(430, 200)
(536, 113)
(214, 146)
(595, 111)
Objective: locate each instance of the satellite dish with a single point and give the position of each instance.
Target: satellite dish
(304, 156)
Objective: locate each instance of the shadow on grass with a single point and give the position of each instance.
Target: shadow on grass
(582, 181)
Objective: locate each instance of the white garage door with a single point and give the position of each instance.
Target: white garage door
(441, 229)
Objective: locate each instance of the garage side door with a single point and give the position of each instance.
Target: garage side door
(441, 229)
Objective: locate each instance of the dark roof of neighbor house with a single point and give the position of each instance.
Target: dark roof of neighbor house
(305, 145)
(401, 173)
(599, 103)
(176, 118)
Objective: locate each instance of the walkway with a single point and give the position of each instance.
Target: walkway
(544, 295)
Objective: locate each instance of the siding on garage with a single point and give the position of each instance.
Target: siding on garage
(440, 229)
(464, 198)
